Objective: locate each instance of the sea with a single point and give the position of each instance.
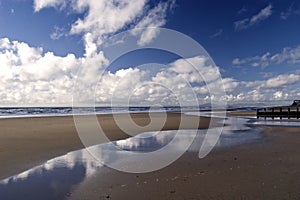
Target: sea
(12, 112)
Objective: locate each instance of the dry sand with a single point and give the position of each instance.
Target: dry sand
(269, 169)
(28, 142)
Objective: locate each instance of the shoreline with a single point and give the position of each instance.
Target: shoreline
(228, 112)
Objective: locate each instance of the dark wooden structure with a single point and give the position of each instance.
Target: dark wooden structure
(288, 112)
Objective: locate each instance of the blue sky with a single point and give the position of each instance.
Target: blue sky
(255, 44)
(212, 24)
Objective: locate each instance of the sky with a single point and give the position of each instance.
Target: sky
(255, 46)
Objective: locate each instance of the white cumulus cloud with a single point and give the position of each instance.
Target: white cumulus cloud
(28, 76)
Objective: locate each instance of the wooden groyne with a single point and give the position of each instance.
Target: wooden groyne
(280, 112)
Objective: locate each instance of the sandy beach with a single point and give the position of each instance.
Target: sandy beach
(28, 142)
(264, 169)
(269, 169)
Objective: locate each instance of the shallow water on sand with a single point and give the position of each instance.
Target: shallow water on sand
(58, 177)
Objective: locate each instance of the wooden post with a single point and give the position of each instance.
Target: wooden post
(257, 113)
(297, 112)
(280, 113)
(265, 113)
(272, 113)
(289, 110)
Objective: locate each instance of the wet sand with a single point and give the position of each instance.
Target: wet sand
(269, 169)
(28, 142)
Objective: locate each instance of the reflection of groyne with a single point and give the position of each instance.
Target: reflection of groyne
(289, 112)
